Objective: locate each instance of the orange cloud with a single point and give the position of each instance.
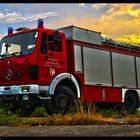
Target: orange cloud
(133, 39)
(120, 9)
(120, 21)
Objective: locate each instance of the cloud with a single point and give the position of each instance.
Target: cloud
(118, 20)
(40, 15)
(115, 22)
(81, 5)
(122, 9)
(72, 19)
(132, 38)
(1, 36)
(98, 6)
(16, 17)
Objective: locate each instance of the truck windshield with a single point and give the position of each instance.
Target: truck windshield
(20, 44)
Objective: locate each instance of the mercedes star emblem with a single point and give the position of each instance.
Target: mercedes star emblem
(8, 74)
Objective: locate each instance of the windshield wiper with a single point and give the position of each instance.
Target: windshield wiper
(5, 55)
(2, 56)
(17, 54)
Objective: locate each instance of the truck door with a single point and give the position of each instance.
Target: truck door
(52, 58)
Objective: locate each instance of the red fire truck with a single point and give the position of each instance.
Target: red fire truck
(53, 68)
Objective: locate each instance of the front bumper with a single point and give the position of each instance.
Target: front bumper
(23, 89)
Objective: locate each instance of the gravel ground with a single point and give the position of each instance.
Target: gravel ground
(72, 131)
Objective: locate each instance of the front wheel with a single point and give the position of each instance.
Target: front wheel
(23, 108)
(27, 109)
(63, 101)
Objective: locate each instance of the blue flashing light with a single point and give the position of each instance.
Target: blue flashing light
(40, 23)
(10, 30)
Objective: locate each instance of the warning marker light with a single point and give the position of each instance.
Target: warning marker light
(10, 30)
(40, 23)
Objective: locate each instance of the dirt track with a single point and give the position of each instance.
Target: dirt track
(70, 131)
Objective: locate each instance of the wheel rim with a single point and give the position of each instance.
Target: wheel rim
(61, 102)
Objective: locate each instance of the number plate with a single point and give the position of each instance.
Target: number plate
(7, 92)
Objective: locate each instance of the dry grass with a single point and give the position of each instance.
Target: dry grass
(76, 119)
(134, 121)
(86, 115)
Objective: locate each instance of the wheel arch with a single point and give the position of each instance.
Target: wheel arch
(65, 79)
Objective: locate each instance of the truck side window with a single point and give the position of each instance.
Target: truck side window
(55, 46)
(44, 47)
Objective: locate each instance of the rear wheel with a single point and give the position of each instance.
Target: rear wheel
(63, 101)
(130, 103)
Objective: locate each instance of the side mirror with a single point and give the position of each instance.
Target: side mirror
(44, 47)
(7, 45)
(56, 36)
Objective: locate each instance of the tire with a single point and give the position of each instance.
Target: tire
(63, 101)
(27, 109)
(15, 107)
(130, 103)
(23, 109)
(49, 107)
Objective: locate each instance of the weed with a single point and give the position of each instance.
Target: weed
(39, 112)
(83, 114)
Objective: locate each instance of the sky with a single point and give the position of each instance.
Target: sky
(119, 21)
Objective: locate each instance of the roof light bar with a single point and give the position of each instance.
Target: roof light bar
(40, 23)
(10, 30)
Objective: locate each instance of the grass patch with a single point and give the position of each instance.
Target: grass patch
(133, 121)
(76, 119)
(86, 114)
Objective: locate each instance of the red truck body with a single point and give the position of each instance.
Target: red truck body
(81, 61)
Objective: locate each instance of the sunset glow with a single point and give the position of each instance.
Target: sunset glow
(117, 21)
